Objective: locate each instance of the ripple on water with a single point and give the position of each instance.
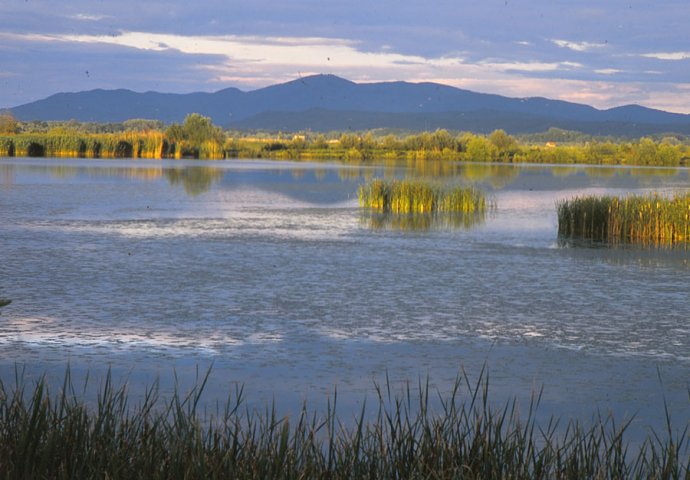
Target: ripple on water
(150, 269)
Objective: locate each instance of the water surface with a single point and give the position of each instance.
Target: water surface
(270, 272)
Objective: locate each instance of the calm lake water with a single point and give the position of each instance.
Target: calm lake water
(270, 272)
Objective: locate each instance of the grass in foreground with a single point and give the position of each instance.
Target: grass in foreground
(60, 436)
(420, 196)
(645, 219)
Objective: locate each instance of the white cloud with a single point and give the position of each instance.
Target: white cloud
(88, 17)
(667, 55)
(526, 66)
(608, 71)
(297, 51)
(578, 46)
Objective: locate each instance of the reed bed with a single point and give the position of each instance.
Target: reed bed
(420, 196)
(645, 219)
(6, 146)
(409, 436)
(106, 145)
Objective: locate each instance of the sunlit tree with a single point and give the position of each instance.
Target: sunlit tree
(197, 135)
(441, 140)
(480, 149)
(349, 140)
(502, 140)
(198, 129)
(175, 133)
(8, 124)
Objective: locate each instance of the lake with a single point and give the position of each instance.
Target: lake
(270, 273)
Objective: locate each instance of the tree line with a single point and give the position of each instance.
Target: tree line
(198, 137)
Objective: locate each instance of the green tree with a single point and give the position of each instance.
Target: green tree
(601, 152)
(368, 141)
(480, 149)
(646, 152)
(441, 140)
(390, 143)
(199, 129)
(668, 154)
(175, 133)
(197, 135)
(349, 140)
(502, 140)
(8, 124)
(320, 142)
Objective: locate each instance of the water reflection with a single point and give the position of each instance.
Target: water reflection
(420, 222)
(653, 247)
(613, 171)
(564, 171)
(496, 175)
(7, 176)
(195, 180)
(434, 168)
(603, 172)
(199, 177)
(355, 174)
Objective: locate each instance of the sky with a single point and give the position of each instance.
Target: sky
(602, 53)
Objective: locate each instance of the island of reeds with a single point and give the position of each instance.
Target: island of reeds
(650, 219)
(415, 196)
(62, 436)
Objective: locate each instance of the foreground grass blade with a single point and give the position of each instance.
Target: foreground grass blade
(463, 435)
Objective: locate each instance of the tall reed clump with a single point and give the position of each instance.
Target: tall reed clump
(6, 146)
(406, 436)
(649, 219)
(420, 196)
(130, 144)
(211, 150)
(64, 146)
(152, 144)
(115, 145)
(29, 145)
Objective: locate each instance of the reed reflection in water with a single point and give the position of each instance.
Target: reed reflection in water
(421, 222)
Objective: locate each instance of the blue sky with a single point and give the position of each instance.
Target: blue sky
(601, 53)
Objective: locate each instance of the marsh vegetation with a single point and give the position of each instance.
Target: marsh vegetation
(412, 434)
(197, 137)
(649, 219)
(420, 196)
(419, 205)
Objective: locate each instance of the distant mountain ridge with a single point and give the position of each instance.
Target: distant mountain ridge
(328, 102)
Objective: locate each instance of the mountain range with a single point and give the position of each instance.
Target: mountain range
(328, 102)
